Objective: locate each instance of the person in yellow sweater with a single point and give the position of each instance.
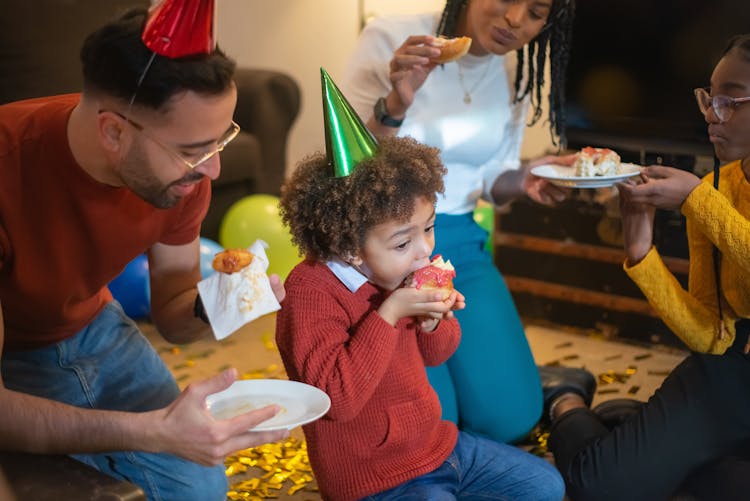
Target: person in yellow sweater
(692, 434)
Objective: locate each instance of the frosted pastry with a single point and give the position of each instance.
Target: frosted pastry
(592, 162)
(438, 275)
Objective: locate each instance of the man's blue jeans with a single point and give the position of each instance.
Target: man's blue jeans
(110, 365)
(482, 469)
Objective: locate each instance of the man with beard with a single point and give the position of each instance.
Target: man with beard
(87, 183)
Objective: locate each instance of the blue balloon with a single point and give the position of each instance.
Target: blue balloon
(132, 289)
(209, 249)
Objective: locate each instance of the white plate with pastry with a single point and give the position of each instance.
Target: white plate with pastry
(563, 175)
(300, 403)
(592, 168)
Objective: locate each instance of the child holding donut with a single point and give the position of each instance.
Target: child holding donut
(349, 326)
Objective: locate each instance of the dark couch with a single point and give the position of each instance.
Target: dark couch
(39, 45)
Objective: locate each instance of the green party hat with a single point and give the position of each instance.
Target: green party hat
(348, 141)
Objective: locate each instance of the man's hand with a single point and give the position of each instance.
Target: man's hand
(187, 429)
(277, 286)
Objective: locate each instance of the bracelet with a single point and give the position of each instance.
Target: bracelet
(198, 309)
(381, 114)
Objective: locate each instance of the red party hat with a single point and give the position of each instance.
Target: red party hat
(179, 28)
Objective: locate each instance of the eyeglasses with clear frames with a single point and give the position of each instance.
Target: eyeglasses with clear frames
(723, 106)
(194, 160)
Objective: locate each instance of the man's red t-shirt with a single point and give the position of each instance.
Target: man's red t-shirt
(63, 235)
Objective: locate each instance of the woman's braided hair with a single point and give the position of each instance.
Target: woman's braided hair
(554, 37)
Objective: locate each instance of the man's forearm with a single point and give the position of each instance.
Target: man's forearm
(32, 424)
(177, 322)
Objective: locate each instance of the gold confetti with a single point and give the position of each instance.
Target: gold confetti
(611, 376)
(203, 354)
(643, 356)
(613, 357)
(571, 357)
(658, 373)
(268, 341)
(604, 391)
(277, 466)
(566, 344)
(184, 365)
(634, 389)
(537, 440)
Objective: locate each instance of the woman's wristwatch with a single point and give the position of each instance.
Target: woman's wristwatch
(382, 116)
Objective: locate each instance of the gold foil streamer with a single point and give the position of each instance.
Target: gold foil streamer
(271, 467)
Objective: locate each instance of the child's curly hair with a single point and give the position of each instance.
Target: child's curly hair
(330, 217)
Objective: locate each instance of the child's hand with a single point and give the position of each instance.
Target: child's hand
(459, 303)
(426, 305)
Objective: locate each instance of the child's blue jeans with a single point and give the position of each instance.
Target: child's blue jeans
(482, 469)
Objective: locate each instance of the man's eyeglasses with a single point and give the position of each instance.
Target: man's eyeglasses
(723, 106)
(190, 160)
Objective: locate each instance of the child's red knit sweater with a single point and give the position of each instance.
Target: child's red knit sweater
(384, 425)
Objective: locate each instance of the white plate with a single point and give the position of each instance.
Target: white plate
(563, 175)
(300, 403)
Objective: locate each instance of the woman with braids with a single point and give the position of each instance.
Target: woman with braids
(475, 111)
(693, 433)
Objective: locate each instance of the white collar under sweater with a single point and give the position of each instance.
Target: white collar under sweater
(352, 278)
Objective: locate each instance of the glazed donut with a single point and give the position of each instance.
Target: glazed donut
(451, 49)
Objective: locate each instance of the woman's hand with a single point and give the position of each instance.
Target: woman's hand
(540, 190)
(637, 223)
(663, 187)
(410, 67)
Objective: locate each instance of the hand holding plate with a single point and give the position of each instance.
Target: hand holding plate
(664, 187)
(186, 428)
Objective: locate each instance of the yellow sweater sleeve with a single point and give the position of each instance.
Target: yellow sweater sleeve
(712, 219)
(693, 322)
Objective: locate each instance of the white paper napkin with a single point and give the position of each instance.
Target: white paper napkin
(233, 300)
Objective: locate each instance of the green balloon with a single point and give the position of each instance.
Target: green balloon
(257, 217)
(485, 217)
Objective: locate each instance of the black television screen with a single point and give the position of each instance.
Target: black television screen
(634, 65)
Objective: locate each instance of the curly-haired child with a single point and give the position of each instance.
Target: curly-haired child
(349, 327)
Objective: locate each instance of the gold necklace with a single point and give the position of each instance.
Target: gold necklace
(467, 92)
